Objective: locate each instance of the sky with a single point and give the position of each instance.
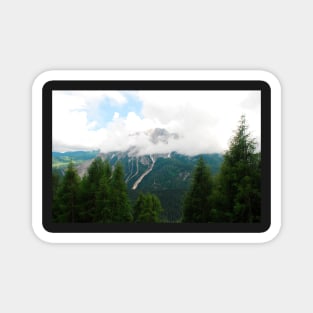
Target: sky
(195, 122)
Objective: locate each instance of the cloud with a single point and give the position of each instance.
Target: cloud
(70, 126)
(205, 120)
(197, 121)
(116, 115)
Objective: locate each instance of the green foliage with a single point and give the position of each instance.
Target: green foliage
(236, 196)
(170, 179)
(56, 184)
(103, 214)
(89, 190)
(197, 202)
(185, 186)
(118, 200)
(100, 197)
(60, 160)
(147, 209)
(66, 201)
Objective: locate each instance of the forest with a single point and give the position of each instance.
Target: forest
(232, 195)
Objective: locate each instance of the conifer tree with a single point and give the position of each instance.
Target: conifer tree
(118, 199)
(89, 189)
(83, 215)
(197, 202)
(147, 209)
(67, 196)
(103, 213)
(139, 206)
(56, 183)
(236, 196)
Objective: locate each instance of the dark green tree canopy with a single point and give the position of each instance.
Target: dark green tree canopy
(103, 213)
(147, 209)
(67, 198)
(88, 190)
(119, 202)
(236, 196)
(197, 202)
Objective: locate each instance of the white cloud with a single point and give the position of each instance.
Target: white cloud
(116, 115)
(70, 126)
(203, 120)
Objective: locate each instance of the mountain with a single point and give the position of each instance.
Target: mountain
(166, 175)
(161, 135)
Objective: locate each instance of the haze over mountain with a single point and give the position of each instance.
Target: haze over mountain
(188, 122)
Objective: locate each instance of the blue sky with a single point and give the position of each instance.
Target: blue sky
(103, 112)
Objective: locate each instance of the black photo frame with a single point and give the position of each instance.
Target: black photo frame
(258, 85)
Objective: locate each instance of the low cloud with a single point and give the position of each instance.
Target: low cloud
(195, 121)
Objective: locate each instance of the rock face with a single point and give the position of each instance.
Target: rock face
(82, 168)
(176, 168)
(139, 180)
(161, 135)
(135, 167)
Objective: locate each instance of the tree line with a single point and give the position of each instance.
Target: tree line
(99, 197)
(233, 195)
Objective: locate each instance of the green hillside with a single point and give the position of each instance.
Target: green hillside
(169, 178)
(60, 160)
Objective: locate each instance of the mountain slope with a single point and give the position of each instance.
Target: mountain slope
(60, 160)
(166, 175)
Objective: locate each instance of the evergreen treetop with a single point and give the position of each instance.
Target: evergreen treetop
(197, 202)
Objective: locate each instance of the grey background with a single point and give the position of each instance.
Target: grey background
(41, 35)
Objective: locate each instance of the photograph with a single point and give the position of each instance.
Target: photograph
(156, 156)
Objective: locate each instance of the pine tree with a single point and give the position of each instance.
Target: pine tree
(236, 196)
(139, 206)
(118, 199)
(247, 206)
(197, 202)
(83, 215)
(89, 188)
(67, 196)
(147, 209)
(56, 183)
(103, 214)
